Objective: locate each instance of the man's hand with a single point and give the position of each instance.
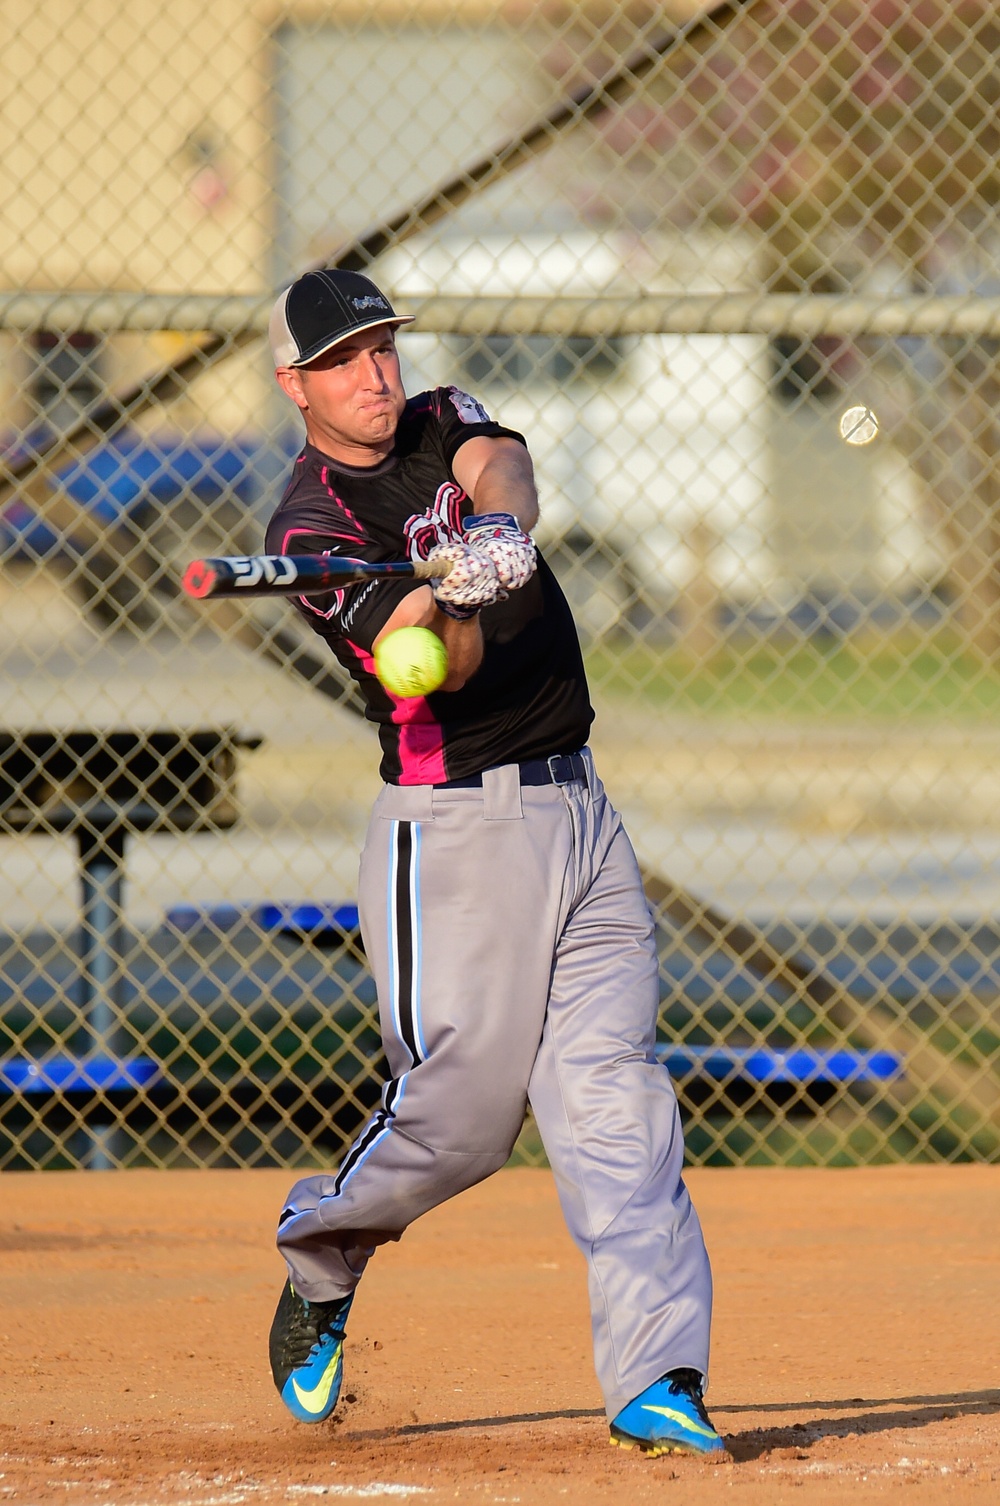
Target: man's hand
(498, 535)
(471, 583)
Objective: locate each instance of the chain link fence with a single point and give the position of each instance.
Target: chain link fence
(672, 245)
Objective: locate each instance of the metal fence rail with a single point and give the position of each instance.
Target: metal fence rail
(804, 314)
(672, 250)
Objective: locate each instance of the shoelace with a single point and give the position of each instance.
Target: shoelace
(310, 1323)
(688, 1383)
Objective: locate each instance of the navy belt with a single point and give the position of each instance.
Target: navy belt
(561, 768)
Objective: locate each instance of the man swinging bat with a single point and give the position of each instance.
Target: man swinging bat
(501, 904)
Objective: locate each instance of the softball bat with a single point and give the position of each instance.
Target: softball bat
(293, 575)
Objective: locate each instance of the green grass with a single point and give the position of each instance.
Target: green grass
(758, 1137)
(902, 676)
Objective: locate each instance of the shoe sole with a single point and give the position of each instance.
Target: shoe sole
(655, 1450)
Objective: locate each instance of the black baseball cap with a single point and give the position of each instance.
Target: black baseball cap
(323, 308)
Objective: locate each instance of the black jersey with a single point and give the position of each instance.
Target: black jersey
(529, 698)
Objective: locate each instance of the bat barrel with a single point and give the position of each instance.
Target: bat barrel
(270, 575)
(290, 575)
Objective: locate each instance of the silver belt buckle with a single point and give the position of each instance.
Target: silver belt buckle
(552, 760)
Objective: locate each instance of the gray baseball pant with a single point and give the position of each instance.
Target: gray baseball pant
(514, 957)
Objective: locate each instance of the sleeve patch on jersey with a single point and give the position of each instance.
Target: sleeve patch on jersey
(469, 410)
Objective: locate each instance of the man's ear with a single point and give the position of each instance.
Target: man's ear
(290, 382)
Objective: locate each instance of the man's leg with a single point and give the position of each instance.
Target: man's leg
(459, 914)
(608, 1117)
(461, 902)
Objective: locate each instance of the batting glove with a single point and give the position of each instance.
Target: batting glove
(499, 535)
(471, 583)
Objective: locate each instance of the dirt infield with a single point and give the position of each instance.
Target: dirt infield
(857, 1347)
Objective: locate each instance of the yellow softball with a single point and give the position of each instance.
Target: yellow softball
(412, 661)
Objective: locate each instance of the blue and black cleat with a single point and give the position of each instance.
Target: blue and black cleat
(306, 1348)
(669, 1417)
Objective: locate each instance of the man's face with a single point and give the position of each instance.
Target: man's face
(351, 396)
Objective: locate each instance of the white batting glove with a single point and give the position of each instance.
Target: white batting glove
(471, 583)
(499, 535)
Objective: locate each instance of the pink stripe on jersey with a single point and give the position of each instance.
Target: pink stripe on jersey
(421, 736)
(324, 476)
(421, 746)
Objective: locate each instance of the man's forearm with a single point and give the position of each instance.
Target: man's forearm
(506, 483)
(463, 642)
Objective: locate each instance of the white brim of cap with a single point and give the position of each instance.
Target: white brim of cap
(283, 352)
(395, 321)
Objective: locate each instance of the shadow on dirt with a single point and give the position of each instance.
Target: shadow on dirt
(416, 1429)
(907, 1412)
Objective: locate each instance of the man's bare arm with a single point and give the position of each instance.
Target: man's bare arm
(499, 477)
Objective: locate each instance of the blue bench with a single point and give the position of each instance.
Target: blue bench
(313, 919)
(77, 1074)
(795, 1066)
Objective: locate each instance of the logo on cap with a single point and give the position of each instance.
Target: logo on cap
(369, 303)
